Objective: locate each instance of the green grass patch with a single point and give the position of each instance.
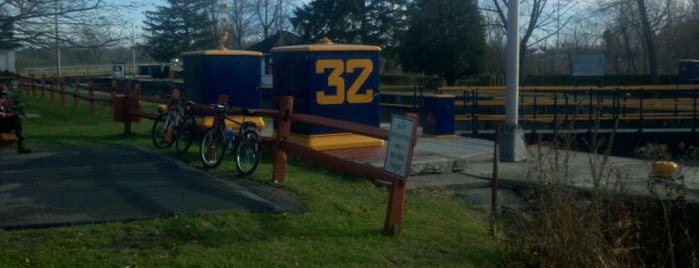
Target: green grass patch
(341, 226)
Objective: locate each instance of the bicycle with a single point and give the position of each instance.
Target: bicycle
(176, 126)
(245, 144)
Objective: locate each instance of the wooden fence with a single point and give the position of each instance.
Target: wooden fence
(126, 106)
(77, 91)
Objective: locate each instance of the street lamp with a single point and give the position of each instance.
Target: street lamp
(512, 148)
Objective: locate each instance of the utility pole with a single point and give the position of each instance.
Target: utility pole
(133, 44)
(512, 148)
(58, 48)
(133, 51)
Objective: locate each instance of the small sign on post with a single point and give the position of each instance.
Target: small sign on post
(399, 149)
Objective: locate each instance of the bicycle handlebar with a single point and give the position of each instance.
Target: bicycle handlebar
(227, 109)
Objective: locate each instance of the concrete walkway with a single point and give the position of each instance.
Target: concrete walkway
(474, 159)
(465, 165)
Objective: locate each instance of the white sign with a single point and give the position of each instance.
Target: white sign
(587, 65)
(399, 147)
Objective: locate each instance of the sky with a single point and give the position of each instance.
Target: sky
(138, 14)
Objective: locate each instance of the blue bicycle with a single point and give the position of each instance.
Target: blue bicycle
(245, 143)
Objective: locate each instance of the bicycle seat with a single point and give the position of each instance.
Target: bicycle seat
(248, 111)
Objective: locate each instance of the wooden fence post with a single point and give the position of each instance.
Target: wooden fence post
(20, 84)
(63, 92)
(54, 86)
(76, 93)
(113, 86)
(32, 81)
(136, 101)
(91, 96)
(395, 211)
(283, 131)
(43, 85)
(125, 106)
(29, 83)
(396, 201)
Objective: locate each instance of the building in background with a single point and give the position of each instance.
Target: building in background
(265, 46)
(7, 60)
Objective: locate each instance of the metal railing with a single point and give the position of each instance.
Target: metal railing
(635, 107)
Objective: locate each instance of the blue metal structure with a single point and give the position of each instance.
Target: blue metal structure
(336, 81)
(210, 73)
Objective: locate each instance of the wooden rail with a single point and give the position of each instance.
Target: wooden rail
(78, 91)
(127, 108)
(283, 146)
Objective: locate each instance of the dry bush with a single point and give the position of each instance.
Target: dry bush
(603, 226)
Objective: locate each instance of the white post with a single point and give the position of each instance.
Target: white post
(512, 147)
(133, 51)
(58, 47)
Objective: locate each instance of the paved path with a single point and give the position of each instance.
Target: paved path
(60, 186)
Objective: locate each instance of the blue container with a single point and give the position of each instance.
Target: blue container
(143, 70)
(160, 71)
(439, 115)
(331, 80)
(688, 72)
(210, 73)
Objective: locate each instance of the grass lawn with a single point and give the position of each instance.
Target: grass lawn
(341, 226)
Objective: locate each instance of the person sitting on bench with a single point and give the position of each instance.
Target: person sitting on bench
(11, 121)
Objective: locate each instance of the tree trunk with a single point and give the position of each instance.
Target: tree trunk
(649, 41)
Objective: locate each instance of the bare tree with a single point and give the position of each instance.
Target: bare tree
(241, 20)
(45, 23)
(272, 16)
(648, 35)
(643, 21)
(268, 14)
(257, 19)
(542, 21)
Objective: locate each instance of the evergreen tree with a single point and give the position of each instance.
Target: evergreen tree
(386, 23)
(375, 22)
(444, 38)
(369, 22)
(182, 26)
(340, 20)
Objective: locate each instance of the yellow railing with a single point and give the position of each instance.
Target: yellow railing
(646, 106)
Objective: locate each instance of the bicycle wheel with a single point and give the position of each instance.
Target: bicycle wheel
(185, 134)
(162, 138)
(213, 147)
(248, 152)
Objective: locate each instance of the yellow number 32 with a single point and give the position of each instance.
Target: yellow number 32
(335, 79)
